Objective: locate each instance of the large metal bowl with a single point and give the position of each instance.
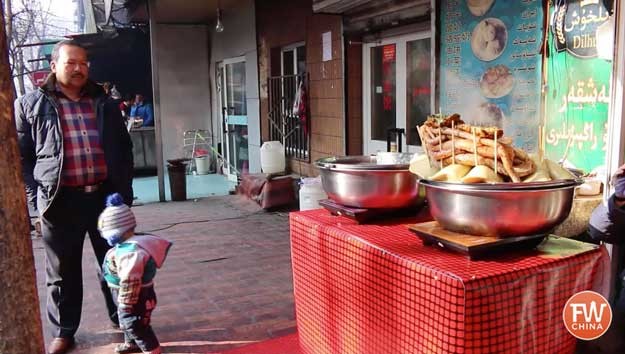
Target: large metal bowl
(502, 209)
(359, 181)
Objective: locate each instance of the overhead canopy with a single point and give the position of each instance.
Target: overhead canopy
(367, 16)
(123, 59)
(185, 12)
(336, 6)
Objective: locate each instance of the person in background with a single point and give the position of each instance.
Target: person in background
(106, 86)
(125, 105)
(75, 150)
(143, 110)
(129, 269)
(115, 93)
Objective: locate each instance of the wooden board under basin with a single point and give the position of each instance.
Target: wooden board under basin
(364, 215)
(473, 246)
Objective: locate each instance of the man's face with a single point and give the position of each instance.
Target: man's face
(138, 99)
(71, 68)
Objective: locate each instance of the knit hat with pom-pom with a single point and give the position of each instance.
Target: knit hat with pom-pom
(117, 218)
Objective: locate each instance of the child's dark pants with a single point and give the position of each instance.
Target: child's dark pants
(135, 320)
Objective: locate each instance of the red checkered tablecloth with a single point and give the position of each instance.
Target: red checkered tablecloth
(377, 289)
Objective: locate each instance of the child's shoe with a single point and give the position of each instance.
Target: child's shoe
(127, 348)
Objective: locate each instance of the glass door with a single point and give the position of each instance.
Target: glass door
(231, 89)
(397, 90)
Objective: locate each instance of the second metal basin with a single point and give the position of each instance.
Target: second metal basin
(505, 209)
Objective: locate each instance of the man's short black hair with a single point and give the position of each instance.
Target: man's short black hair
(70, 42)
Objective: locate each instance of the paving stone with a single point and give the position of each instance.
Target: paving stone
(227, 281)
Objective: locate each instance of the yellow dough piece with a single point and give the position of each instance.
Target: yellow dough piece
(481, 174)
(451, 173)
(558, 172)
(420, 166)
(542, 171)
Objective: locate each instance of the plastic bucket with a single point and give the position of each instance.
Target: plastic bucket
(202, 165)
(272, 157)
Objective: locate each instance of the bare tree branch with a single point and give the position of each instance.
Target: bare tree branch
(28, 21)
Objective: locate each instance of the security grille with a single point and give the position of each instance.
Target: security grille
(285, 125)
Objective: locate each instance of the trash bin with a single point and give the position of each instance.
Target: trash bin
(177, 170)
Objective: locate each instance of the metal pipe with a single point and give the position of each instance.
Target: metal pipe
(156, 99)
(616, 135)
(36, 44)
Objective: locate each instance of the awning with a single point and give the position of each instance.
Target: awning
(367, 16)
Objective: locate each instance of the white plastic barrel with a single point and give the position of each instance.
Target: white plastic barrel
(310, 193)
(272, 157)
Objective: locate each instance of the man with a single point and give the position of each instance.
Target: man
(125, 105)
(75, 151)
(142, 110)
(607, 224)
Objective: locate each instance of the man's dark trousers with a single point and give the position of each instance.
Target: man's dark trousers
(72, 214)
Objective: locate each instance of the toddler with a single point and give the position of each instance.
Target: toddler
(129, 269)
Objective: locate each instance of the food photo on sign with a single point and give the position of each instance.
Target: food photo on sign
(479, 7)
(489, 39)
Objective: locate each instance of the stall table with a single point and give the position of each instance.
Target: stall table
(377, 289)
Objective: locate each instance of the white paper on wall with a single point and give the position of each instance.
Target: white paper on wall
(326, 40)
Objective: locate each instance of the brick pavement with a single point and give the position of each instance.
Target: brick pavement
(227, 280)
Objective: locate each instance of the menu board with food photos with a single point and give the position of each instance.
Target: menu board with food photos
(491, 64)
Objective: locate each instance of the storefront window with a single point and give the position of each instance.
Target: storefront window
(418, 86)
(235, 81)
(287, 63)
(294, 60)
(383, 82)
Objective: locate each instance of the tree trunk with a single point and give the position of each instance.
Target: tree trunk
(20, 321)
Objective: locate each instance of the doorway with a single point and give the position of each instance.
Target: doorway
(234, 121)
(398, 89)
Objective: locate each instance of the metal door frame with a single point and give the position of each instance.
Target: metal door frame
(229, 168)
(372, 146)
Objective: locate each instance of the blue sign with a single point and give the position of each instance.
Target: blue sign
(491, 65)
(575, 25)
